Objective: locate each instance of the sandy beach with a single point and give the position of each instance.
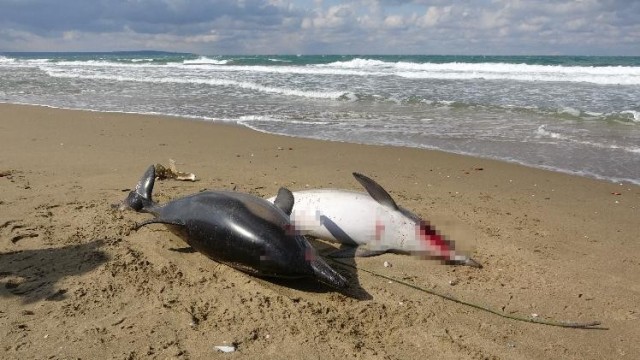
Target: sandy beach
(77, 282)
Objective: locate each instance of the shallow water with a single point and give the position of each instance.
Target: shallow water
(573, 114)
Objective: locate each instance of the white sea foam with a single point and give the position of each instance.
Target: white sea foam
(93, 64)
(263, 118)
(212, 82)
(19, 63)
(298, 70)
(358, 64)
(279, 60)
(203, 60)
(636, 115)
(606, 75)
(542, 131)
(569, 110)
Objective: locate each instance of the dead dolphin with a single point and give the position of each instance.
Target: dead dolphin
(372, 222)
(240, 230)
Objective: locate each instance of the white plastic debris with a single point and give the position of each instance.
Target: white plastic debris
(387, 264)
(226, 348)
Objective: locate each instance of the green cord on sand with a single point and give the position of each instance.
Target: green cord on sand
(593, 325)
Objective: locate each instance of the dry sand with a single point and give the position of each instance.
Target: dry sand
(76, 282)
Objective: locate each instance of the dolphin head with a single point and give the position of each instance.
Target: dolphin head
(423, 239)
(412, 233)
(441, 246)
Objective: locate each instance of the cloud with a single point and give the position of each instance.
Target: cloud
(324, 26)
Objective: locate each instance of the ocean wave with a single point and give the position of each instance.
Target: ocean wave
(358, 63)
(279, 60)
(203, 60)
(212, 82)
(216, 65)
(138, 60)
(635, 114)
(601, 75)
(604, 75)
(569, 111)
(285, 87)
(542, 131)
(359, 66)
(286, 69)
(625, 117)
(264, 118)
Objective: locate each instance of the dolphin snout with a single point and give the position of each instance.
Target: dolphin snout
(472, 263)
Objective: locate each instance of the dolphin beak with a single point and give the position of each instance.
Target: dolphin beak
(472, 263)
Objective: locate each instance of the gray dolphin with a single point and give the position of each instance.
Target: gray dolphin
(240, 230)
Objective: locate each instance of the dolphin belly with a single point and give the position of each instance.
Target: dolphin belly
(345, 217)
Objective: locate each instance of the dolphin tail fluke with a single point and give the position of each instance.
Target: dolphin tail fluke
(139, 199)
(327, 274)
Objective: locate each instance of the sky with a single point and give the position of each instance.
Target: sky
(221, 27)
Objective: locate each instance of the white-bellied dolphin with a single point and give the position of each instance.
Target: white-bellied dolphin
(240, 230)
(373, 223)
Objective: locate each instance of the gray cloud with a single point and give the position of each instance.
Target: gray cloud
(154, 16)
(607, 27)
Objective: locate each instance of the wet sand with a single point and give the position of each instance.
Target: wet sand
(76, 282)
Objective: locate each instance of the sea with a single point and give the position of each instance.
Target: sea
(572, 114)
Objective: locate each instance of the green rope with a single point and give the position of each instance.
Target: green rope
(574, 325)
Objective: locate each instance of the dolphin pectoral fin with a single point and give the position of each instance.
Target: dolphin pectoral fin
(284, 200)
(157, 221)
(377, 192)
(336, 231)
(365, 251)
(184, 250)
(355, 251)
(344, 252)
(327, 274)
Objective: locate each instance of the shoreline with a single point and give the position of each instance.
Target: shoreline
(75, 280)
(461, 153)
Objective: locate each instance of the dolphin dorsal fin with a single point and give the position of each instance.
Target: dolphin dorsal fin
(377, 192)
(284, 200)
